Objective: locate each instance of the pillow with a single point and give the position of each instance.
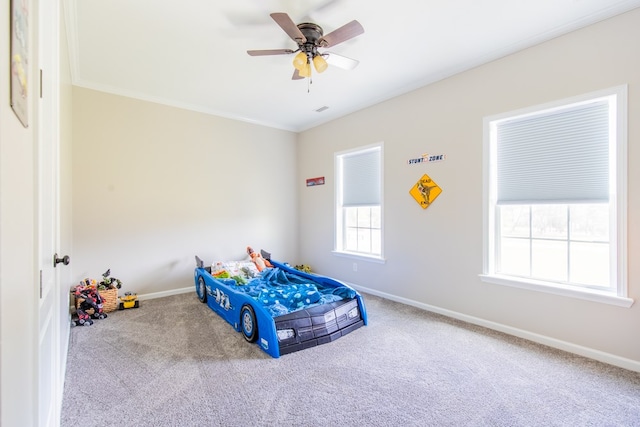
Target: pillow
(235, 268)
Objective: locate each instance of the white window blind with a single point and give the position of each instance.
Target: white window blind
(361, 178)
(556, 156)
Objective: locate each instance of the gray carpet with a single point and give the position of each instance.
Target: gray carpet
(173, 362)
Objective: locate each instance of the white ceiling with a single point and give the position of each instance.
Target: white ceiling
(192, 53)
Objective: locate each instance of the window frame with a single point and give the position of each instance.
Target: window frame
(617, 203)
(340, 223)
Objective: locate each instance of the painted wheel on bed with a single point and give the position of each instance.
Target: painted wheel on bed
(202, 290)
(248, 322)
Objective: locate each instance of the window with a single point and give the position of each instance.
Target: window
(555, 198)
(359, 202)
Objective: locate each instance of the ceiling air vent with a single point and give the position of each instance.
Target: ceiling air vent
(321, 109)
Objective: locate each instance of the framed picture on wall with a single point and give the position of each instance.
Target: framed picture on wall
(20, 59)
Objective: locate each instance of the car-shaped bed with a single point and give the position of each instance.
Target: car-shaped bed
(283, 310)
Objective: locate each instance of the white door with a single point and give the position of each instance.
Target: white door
(49, 363)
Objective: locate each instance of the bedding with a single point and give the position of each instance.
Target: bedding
(282, 292)
(280, 308)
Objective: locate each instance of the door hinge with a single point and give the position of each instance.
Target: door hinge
(40, 284)
(40, 83)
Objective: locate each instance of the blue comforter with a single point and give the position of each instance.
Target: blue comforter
(282, 292)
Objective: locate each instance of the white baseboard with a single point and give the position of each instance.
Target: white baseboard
(155, 295)
(611, 359)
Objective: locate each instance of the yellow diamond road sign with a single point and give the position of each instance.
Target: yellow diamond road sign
(425, 191)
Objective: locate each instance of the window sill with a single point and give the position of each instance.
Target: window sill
(353, 255)
(566, 291)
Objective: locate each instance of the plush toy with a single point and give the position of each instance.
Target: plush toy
(258, 260)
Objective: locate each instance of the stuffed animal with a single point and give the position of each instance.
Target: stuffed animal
(258, 260)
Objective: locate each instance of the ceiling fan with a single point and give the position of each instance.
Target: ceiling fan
(310, 37)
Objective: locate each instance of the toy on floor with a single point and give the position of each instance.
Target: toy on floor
(260, 262)
(89, 303)
(129, 300)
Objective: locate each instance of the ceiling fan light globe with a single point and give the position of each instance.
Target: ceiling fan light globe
(306, 70)
(320, 63)
(300, 60)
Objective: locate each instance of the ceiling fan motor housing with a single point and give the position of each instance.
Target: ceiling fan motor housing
(313, 33)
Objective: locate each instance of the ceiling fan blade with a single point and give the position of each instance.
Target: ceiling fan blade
(344, 33)
(289, 27)
(340, 61)
(296, 75)
(269, 52)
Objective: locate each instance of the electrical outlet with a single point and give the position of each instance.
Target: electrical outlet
(355, 266)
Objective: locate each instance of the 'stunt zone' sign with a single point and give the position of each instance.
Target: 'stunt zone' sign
(427, 158)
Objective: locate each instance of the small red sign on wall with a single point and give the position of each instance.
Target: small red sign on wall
(315, 181)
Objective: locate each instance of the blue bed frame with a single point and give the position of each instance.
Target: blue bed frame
(279, 335)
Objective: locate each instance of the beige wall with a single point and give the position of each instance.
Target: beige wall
(434, 256)
(153, 186)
